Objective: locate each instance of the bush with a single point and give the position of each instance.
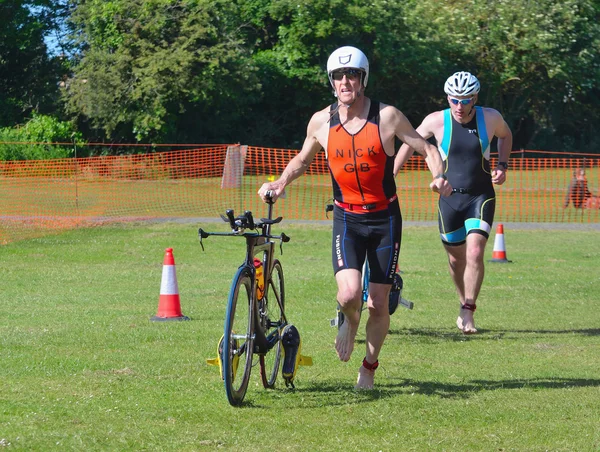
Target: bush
(41, 138)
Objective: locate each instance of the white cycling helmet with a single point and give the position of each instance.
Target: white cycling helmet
(462, 84)
(351, 57)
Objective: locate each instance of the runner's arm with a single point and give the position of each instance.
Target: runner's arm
(413, 139)
(405, 152)
(300, 163)
(505, 141)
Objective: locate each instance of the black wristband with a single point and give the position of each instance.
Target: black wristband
(441, 176)
(503, 165)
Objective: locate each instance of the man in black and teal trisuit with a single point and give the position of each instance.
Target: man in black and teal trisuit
(463, 133)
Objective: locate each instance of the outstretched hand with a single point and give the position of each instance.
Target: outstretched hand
(441, 186)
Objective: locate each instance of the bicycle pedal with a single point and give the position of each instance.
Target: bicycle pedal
(396, 294)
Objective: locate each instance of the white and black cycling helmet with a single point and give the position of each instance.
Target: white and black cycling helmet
(462, 84)
(348, 57)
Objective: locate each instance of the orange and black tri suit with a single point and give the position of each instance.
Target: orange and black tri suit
(367, 222)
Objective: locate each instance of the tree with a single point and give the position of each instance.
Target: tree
(253, 71)
(539, 61)
(157, 69)
(28, 76)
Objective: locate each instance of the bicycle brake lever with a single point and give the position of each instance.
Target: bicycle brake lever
(328, 208)
(202, 235)
(284, 238)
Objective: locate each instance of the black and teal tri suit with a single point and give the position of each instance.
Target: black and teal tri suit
(465, 151)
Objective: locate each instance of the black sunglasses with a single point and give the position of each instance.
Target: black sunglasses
(351, 74)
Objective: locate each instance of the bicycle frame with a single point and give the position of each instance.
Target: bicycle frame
(256, 243)
(365, 282)
(396, 286)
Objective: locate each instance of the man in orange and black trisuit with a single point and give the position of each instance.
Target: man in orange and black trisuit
(358, 137)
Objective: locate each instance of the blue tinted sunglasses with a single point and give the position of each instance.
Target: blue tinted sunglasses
(351, 74)
(461, 101)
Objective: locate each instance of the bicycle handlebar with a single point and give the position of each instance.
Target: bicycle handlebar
(204, 234)
(246, 221)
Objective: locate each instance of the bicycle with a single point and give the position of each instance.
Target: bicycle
(395, 298)
(255, 320)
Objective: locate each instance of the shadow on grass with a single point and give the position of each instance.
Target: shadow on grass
(313, 395)
(465, 390)
(583, 332)
(485, 334)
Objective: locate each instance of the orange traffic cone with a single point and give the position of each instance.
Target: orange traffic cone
(169, 307)
(499, 253)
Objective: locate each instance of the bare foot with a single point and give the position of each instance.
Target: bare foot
(469, 329)
(344, 342)
(465, 321)
(365, 379)
(459, 322)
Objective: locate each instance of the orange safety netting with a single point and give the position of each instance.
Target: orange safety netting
(39, 197)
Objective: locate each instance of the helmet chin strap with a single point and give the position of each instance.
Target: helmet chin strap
(471, 111)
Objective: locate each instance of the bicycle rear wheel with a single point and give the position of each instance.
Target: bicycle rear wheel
(272, 322)
(238, 338)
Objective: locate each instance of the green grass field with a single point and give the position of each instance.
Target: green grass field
(84, 368)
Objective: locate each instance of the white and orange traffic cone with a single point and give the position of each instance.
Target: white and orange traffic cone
(169, 306)
(499, 253)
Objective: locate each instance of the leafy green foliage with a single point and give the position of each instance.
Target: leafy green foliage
(253, 71)
(147, 64)
(537, 61)
(26, 142)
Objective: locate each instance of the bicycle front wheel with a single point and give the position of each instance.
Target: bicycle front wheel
(272, 320)
(238, 337)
